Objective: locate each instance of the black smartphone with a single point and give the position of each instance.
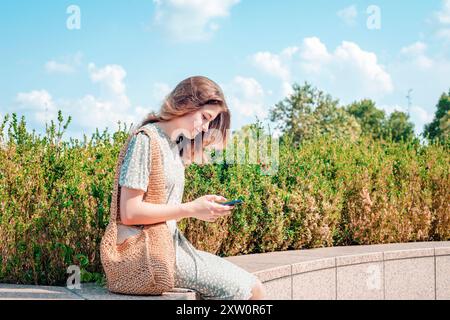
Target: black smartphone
(232, 203)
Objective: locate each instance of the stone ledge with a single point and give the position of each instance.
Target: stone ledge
(417, 270)
(91, 291)
(444, 251)
(322, 258)
(30, 292)
(389, 271)
(313, 265)
(409, 253)
(88, 291)
(359, 258)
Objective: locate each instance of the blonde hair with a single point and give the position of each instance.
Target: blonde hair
(190, 95)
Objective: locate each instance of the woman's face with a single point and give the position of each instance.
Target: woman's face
(199, 120)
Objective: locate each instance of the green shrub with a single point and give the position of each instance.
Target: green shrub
(55, 198)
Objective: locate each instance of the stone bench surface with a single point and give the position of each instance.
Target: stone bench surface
(88, 291)
(262, 264)
(267, 266)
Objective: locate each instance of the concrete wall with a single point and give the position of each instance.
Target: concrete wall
(411, 271)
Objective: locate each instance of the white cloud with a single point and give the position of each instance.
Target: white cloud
(89, 112)
(417, 48)
(141, 112)
(271, 64)
(66, 65)
(348, 15)
(56, 67)
(289, 52)
(349, 57)
(191, 20)
(348, 72)
(314, 55)
(444, 34)
(36, 98)
(245, 96)
(111, 79)
(276, 66)
(39, 103)
(160, 91)
(443, 15)
(111, 76)
(351, 73)
(111, 106)
(426, 75)
(417, 52)
(442, 18)
(421, 115)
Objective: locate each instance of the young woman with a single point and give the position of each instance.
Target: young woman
(196, 108)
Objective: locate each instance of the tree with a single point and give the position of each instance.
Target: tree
(371, 119)
(309, 113)
(398, 127)
(444, 127)
(438, 129)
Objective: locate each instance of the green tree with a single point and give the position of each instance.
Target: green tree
(371, 119)
(309, 113)
(444, 126)
(398, 127)
(438, 129)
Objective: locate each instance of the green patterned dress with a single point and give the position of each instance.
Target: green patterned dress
(213, 277)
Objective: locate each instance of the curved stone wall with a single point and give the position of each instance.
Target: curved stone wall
(419, 270)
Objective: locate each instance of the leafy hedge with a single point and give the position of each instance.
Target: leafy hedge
(55, 196)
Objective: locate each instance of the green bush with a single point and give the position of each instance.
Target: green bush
(55, 198)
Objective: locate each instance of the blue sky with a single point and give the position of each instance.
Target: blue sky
(127, 55)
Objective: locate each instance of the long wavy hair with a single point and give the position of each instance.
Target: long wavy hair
(190, 95)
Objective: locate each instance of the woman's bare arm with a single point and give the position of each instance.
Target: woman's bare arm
(135, 211)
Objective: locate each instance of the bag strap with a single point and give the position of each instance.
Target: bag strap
(156, 186)
(156, 189)
(115, 201)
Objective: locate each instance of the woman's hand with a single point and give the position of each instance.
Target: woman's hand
(207, 209)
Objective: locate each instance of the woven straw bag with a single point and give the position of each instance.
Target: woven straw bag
(144, 263)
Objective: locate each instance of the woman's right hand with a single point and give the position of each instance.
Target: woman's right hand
(206, 208)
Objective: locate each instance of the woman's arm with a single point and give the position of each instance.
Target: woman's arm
(135, 211)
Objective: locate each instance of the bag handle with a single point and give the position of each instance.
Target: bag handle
(156, 174)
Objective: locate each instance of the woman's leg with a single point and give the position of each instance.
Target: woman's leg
(216, 278)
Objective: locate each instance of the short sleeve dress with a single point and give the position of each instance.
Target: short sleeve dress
(213, 277)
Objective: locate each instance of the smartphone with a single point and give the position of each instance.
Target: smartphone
(232, 203)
